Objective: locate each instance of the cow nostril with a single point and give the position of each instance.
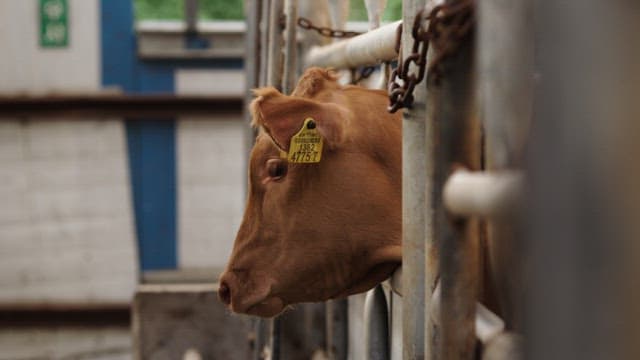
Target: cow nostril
(224, 293)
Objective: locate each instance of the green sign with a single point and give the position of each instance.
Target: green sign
(54, 23)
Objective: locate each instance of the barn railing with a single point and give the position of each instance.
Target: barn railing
(464, 181)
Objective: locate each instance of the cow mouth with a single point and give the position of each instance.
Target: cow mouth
(269, 307)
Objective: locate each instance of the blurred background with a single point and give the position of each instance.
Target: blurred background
(123, 147)
(122, 161)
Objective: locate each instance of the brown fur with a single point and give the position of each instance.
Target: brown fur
(323, 230)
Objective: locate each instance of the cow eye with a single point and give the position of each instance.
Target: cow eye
(276, 168)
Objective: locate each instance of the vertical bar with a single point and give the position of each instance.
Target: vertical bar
(191, 15)
(337, 328)
(413, 206)
(275, 44)
(290, 50)
(505, 66)
(274, 70)
(455, 140)
(376, 319)
(264, 41)
(252, 65)
(583, 300)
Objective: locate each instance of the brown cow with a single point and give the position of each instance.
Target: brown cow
(317, 231)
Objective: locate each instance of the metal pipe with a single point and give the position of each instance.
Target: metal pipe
(375, 8)
(264, 41)
(376, 320)
(488, 195)
(290, 50)
(414, 177)
(369, 48)
(191, 15)
(505, 87)
(337, 328)
(487, 326)
(456, 139)
(275, 44)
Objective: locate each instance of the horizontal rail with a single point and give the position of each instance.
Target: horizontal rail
(369, 48)
(485, 194)
(132, 106)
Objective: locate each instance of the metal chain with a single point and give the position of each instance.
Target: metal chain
(325, 31)
(448, 25)
(305, 23)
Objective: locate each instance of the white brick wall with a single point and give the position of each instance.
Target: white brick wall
(211, 183)
(26, 68)
(66, 225)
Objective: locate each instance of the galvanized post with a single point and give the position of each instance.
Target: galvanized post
(337, 327)
(291, 48)
(455, 140)
(265, 6)
(583, 167)
(275, 44)
(414, 173)
(376, 320)
(191, 15)
(505, 74)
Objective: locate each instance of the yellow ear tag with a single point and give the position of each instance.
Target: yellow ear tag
(306, 146)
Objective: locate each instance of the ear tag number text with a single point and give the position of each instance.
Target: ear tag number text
(306, 146)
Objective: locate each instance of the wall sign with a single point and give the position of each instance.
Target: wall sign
(54, 23)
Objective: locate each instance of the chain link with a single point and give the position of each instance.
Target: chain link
(306, 24)
(325, 31)
(448, 25)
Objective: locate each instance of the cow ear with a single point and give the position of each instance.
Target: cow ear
(283, 116)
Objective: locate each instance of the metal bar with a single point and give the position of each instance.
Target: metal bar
(376, 320)
(369, 48)
(275, 44)
(191, 15)
(488, 195)
(133, 106)
(583, 300)
(337, 328)
(487, 324)
(291, 48)
(375, 8)
(456, 140)
(414, 178)
(505, 74)
(264, 41)
(274, 69)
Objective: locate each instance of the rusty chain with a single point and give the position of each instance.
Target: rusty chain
(449, 24)
(306, 24)
(325, 31)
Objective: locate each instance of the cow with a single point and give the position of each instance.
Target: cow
(314, 231)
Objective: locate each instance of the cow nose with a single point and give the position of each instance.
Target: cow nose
(224, 293)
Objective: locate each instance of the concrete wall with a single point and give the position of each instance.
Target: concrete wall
(25, 67)
(66, 224)
(211, 172)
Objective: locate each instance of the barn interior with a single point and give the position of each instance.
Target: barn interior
(124, 144)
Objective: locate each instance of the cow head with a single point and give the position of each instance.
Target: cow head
(317, 231)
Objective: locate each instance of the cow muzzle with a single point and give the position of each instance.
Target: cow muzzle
(252, 296)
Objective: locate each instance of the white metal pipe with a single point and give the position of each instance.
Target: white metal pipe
(484, 194)
(369, 48)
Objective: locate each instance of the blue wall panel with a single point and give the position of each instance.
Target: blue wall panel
(151, 142)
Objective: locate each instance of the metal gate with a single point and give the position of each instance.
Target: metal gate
(503, 196)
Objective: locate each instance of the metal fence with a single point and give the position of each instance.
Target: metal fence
(493, 216)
